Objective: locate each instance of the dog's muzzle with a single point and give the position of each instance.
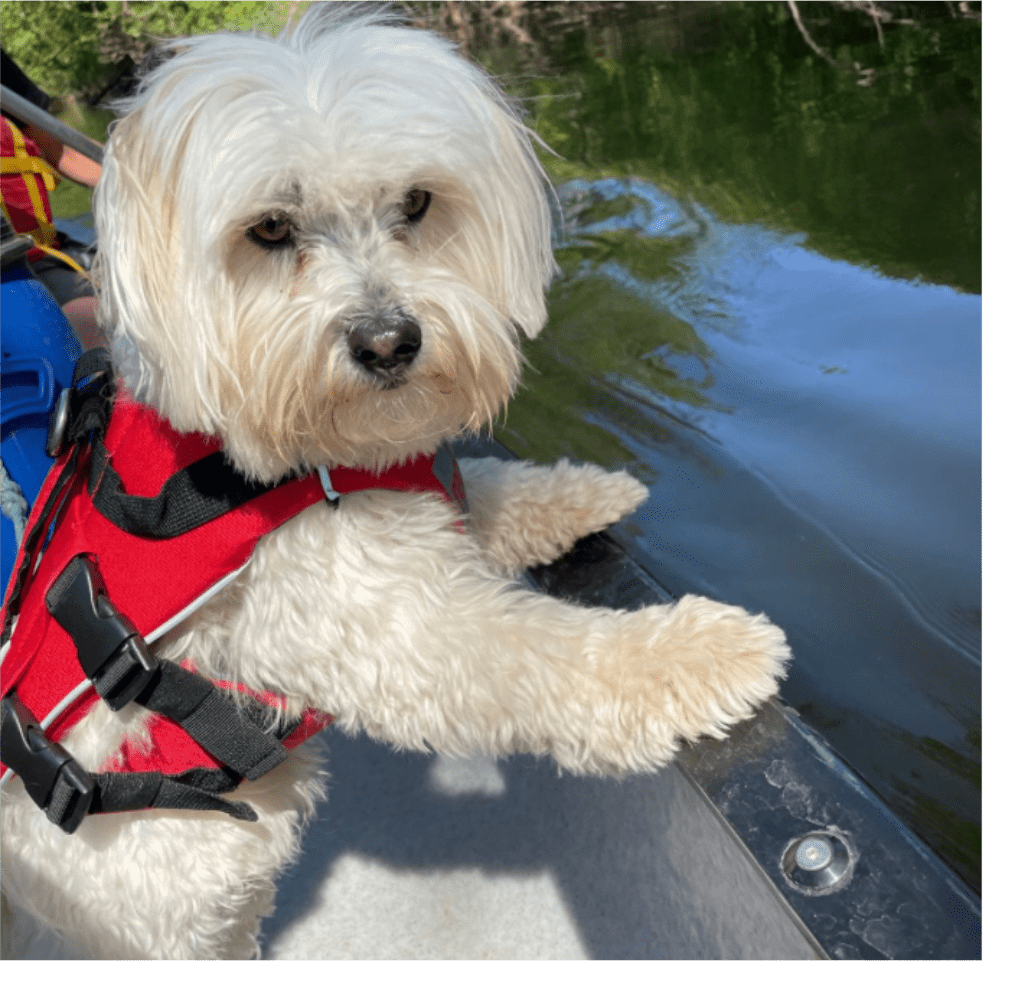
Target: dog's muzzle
(385, 346)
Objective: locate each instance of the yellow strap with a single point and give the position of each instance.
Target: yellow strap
(22, 161)
(23, 164)
(28, 167)
(61, 256)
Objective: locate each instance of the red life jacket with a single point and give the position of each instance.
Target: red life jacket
(140, 542)
(25, 182)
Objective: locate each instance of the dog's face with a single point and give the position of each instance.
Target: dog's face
(322, 249)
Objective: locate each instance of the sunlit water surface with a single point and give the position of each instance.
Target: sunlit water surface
(810, 428)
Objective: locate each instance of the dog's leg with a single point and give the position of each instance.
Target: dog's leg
(601, 691)
(410, 637)
(526, 515)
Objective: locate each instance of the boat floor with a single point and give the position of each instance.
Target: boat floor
(417, 856)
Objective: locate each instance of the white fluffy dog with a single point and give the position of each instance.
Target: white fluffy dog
(325, 249)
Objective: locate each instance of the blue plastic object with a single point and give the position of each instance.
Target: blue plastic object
(39, 355)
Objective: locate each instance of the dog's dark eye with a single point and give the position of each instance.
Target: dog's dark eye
(415, 204)
(273, 231)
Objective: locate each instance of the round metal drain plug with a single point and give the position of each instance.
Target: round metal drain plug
(817, 863)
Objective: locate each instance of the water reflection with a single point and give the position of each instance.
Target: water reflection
(810, 428)
(811, 434)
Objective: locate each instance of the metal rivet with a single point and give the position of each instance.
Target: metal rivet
(818, 863)
(813, 853)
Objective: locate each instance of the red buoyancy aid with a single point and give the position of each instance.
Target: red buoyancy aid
(25, 182)
(155, 582)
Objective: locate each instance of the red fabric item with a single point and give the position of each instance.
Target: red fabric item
(16, 200)
(151, 581)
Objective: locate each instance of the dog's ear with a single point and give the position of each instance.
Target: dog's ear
(139, 269)
(524, 217)
(129, 209)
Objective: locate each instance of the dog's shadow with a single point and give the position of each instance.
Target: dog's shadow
(633, 861)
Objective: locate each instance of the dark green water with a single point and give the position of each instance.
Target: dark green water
(770, 312)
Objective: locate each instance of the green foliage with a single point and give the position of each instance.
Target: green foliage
(70, 200)
(80, 48)
(876, 154)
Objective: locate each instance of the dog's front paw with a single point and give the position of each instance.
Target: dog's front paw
(579, 500)
(605, 496)
(714, 664)
(687, 671)
(526, 515)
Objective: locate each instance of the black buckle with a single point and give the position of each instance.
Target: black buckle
(85, 405)
(52, 778)
(112, 654)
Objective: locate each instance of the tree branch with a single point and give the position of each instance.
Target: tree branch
(807, 35)
(876, 16)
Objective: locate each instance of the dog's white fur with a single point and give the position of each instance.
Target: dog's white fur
(377, 611)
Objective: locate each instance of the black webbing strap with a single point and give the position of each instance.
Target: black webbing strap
(85, 409)
(136, 791)
(122, 669)
(229, 730)
(232, 732)
(59, 785)
(196, 789)
(90, 402)
(114, 792)
(191, 497)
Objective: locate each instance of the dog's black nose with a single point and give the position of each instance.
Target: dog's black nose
(385, 346)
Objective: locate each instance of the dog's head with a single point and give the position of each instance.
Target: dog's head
(322, 248)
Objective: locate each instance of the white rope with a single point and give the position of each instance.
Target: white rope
(12, 503)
